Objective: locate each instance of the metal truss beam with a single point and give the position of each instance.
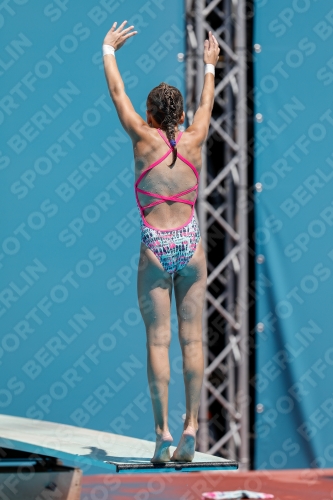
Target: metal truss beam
(222, 210)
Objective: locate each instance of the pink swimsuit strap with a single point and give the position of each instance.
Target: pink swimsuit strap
(162, 198)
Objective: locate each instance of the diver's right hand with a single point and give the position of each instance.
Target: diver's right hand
(211, 50)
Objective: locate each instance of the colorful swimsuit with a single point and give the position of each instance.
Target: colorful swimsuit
(173, 247)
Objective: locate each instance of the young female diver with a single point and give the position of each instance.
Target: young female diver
(171, 253)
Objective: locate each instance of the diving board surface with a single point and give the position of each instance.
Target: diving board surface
(103, 449)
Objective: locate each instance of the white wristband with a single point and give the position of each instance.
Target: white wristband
(209, 68)
(108, 49)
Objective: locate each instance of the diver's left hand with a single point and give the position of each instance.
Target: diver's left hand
(117, 37)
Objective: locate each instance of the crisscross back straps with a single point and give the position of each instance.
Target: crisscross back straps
(162, 198)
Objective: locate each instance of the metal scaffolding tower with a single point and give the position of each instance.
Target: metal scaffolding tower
(223, 220)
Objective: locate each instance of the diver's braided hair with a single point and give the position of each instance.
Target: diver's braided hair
(165, 102)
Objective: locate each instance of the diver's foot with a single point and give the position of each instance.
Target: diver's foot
(162, 448)
(186, 447)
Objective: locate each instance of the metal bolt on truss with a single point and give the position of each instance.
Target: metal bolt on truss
(222, 213)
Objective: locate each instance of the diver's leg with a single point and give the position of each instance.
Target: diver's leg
(190, 287)
(154, 295)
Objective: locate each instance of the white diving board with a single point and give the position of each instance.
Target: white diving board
(103, 449)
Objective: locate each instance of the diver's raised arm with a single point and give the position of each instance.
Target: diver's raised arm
(201, 120)
(131, 121)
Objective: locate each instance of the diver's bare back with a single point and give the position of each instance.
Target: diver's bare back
(166, 180)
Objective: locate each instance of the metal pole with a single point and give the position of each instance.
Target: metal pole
(243, 395)
(203, 410)
(221, 201)
(230, 208)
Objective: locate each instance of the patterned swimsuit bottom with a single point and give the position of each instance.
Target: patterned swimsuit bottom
(173, 248)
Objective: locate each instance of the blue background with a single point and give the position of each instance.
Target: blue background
(293, 233)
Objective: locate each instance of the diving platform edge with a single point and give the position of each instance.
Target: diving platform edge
(79, 445)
